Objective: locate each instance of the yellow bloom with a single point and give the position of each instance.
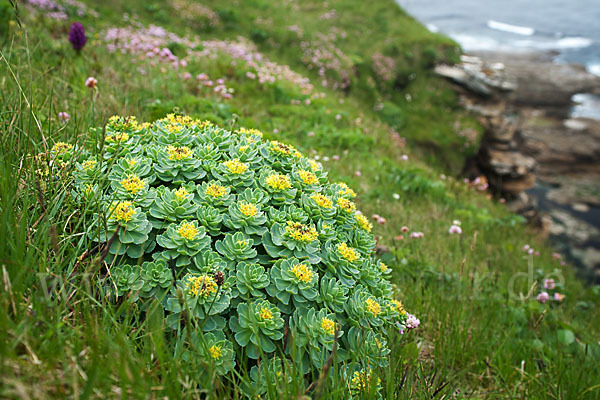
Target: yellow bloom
(179, 153)
(118, 137)
(215, 352)
(248, 209)
(123, 211)
(302, 272)
(308, 177)
(348, 252)
(301, 232)
(278, 181)
(89, 164)
(132, 162)
(132, 184)
(321, 200)
(399, 307)
(214, 190)
(345, 190)
(88, 188)
(188, 231)
(181, 194)
(242, 243)
(201, 286)
(328, 326)
(315, 166)
(383, 267)
(123, 123)
(244, 148)
(235, 166)
(346, 205)
(373, 307)
(361, 380)
(250, 132)
(281, 148)
(363, 222)
(62, 147)
(265, 313)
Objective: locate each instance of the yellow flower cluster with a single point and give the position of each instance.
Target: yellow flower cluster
(118, 137)
(235, 166)
(181, 194)
(117, 122)
(281, 148)
(248, 209)
(347, 252)
(308, 177)
(346, 205)
(89, 164)
(179, 153)
(278, 181)
(364, 222)
(302, 272)
(345, 190)
(250, 132)
(183, 120)
(399, 307)
(133, 183)
(215, 352)
(315, 166)
(328, 326)
(215, 190)
(265, 313)
(201, 286)
(321, 200)
(383, 267)
(62, 147)
(187, 231)
(373, 307)
(361, 380)
(301, 232)
(123, 211)
(132, 161)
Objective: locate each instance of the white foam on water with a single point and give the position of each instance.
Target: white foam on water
(519, 30)
(560, 44)
(594, 69)
(587, 106)
(432, 28)
(475, 43)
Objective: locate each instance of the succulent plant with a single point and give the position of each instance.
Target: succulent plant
(240, 237)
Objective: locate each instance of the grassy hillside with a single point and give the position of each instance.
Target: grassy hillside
(347, 82)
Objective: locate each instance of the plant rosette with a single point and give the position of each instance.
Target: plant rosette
(251, 280)
(367, 345)
(157, 278)
(246, 217)
(176, 164)
(183, 241)
(214, 136)
(133, 188)
(200, 295)
(256, 326)
(126, 279)
(208, 262)
(234, 173)
(173, 205)
(214, 194)
(342, 261)
(132, 226)
(211, 348)
(313, 334)
(122, 137)
(280, 156)
(306, 181)
(332, 294)
(235, 248)
(319, 206)
(138, 165)
(293, 239)
(211, 219)
(279, 186)
(295, 280)
(371, 277)
(365, 310)
(286, 213)
(90, 171)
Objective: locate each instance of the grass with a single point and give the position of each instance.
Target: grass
(482, 334)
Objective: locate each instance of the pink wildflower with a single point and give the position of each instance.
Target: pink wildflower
(91, 82)
(455, 229)
(64, 117)
(543, 297)
(549, 284)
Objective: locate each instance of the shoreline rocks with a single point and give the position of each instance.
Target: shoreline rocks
(532, 142)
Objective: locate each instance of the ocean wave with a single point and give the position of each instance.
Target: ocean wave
(594, 69)
(519, 30)
(483, 43)
(560, 44)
